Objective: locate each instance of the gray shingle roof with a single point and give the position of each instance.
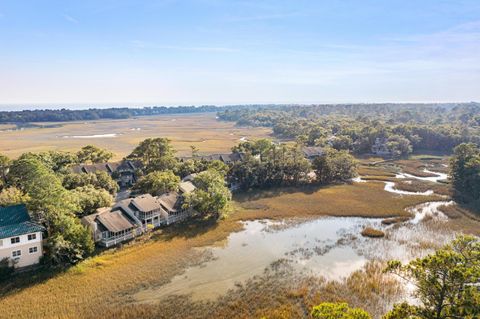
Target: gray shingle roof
(146, 203)
(171, 202)
(15, 221)
(115, 221)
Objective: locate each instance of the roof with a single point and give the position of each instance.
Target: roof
(145, 203)
(226, 158)
(170, 201)
(110, 167)
(15, 221)
(312, 151)
(13, 215)
(189, 178)
(186, 187)
(114, 221)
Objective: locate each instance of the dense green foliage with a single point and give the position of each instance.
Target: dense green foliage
(93, 154)
(338, 311)
(465, 173)
(52, 205)
(157, 183)
(64, 115)
(12, 196)
(4, 167)
(5, 268)
(89, 199)
(447, 282)
(211, 195)
(56, 161)
(156, 154)
(401, 127)
(99, 180)
(334, 166)
(267, 164)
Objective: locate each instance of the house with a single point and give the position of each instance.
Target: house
(228, 158)
(131, 217)
(172, 205)
(20, 238)
(144, 210)
(110, 228)
(124, 172)
(380, 147)
(312, 152)
(189, 178)
(186, 187)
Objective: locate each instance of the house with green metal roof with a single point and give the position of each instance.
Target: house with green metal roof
(20, 238)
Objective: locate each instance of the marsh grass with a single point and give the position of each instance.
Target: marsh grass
(357, 199)
(462, 218)
(372, 233)
(105, 284)
(279, 292)
(394, 220)
(201, 130)
(415, 185)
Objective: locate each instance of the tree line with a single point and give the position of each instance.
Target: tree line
(64, 115)
(57, 197)
(401, 128)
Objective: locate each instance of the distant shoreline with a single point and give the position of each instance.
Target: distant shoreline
(87, 114)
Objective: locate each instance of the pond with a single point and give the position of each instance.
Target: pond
(330, 247)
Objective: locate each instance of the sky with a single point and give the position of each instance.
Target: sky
(195, 52)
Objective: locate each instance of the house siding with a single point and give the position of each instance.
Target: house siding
(26, 258)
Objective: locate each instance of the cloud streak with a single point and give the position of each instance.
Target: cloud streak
(71, 19)
(148, 45)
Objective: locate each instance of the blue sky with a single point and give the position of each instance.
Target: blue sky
(225, 52)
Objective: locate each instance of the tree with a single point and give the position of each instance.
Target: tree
(465, 172)
(218, 166)
(106, 182)
(89, 199)
(99, 180)
(188, 167)
(338, 311)
(446, 281)
(194, 150)
(211, 195)
(156, 154)
(399, 145)
(342, 142)
(93, 154)
(70, 241)
(4, 167)
(12, 196)
(6, 268)
(52, 205)
(334, 166)
(157, 183)
(54, 160)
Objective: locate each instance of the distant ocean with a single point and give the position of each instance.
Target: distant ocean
(20, 107)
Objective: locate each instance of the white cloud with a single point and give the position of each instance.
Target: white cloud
(71, 19)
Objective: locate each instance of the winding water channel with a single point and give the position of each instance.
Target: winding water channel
(326, 246)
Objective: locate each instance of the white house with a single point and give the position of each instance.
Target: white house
(20, 239)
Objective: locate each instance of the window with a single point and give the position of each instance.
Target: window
(16, 253)
(32, 250)
(32, 236)
(15, 240)
(1, 242)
